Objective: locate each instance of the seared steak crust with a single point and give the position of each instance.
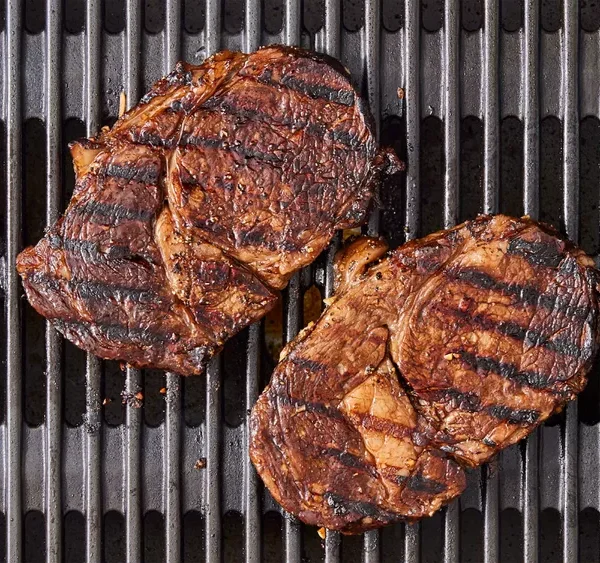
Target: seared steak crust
(199, 204)
(433, 359)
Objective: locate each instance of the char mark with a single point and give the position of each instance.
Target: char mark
(514, 416)
(147, 174)
(315, 91)
(238, 148)
(530, 337)
(421, 484)
(301, 405)
(525, 294)
(90, 250)
(118, 333)
(113, 211)
(342, 506)
(344, 138)
(537, 253)
(350, 460)
(470, 402)
(91, 290)
(532, 379)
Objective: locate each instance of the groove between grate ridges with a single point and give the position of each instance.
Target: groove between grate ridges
(53, 465)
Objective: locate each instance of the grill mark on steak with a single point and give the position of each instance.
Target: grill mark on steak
(537, 253)
(302, 405)
(144, 174)
(532, 379)
(421, 484)
(514, 416)
(236, 147)
(342, 506)
(341, 136)
(93, 290)
(314, 91)
(525, 294)
(471, 402)
(113, 211)
(379, 424)
(116, 332)
(350, 460)
(514, 330)
(92, 252)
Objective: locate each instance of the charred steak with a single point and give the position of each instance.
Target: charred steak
(430, 360)
(200, 203)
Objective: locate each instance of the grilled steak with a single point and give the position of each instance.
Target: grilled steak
(200, 203)
(432, 359)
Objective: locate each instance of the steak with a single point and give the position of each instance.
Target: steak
(199, 204)
(428, 361)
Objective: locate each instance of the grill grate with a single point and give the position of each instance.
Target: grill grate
(479, 94)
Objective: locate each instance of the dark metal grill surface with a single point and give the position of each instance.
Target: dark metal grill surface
(494, 106)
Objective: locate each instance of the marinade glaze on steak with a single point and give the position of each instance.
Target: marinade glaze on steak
(200, 203)
(432, 359)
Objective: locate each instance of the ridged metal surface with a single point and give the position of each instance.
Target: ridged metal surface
(180, 466)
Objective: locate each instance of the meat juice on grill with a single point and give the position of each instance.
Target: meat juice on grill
(428, 361)
(199, 204)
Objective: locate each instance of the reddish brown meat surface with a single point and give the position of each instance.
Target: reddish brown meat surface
(432, 359)
(199, 204)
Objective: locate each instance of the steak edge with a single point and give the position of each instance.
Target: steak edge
(428, 361)
(199, 204)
